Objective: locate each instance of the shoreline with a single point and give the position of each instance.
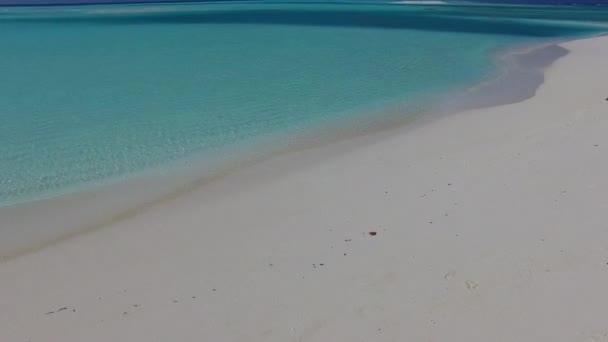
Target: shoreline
(484, 225)
(107, 202)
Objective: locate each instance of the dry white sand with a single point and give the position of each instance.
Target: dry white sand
(492, 225)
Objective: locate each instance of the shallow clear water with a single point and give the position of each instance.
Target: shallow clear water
(90, 94)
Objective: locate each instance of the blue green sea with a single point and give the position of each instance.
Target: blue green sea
(95, 94)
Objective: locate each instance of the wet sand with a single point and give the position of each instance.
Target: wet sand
(488, 225)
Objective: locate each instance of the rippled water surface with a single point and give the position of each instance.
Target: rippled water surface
(94, 93)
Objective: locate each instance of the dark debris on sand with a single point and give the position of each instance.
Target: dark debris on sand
(52, 312)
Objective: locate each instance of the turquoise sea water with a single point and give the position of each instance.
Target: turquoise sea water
(95, 93)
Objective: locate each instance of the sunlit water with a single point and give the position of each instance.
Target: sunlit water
(92, 94)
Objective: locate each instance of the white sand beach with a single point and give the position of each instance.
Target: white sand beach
(490, 225)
